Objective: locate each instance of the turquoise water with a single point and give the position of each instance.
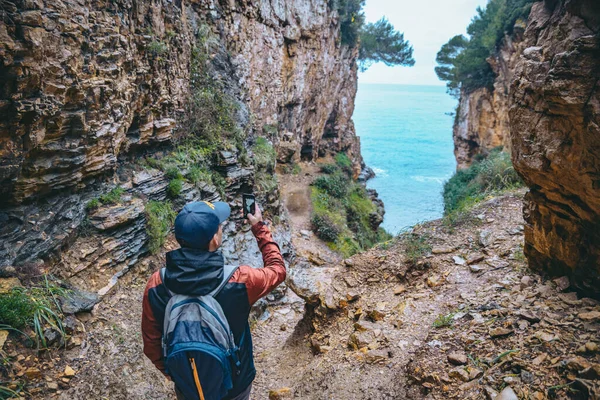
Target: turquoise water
(406, 137)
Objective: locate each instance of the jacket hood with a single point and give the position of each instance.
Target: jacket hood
(193, 272)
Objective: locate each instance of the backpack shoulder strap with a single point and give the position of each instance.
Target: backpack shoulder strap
(228, 271)
(162, 278)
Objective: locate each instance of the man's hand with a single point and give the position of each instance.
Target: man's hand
(256, 217)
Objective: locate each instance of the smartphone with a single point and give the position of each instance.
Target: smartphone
(249, 204)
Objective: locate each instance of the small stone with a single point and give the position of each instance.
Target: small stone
(280, 394)
(352, 295)
(3, 337)
(348, 262)
(490, 393)
(459, 373)
(485, 237)
(434, 281)
(376, 356)
(562, 283)
(52, 386)
(33, 373)
(458, 260)
(528, 316)
(457, 358)
(544, 336)
(375, 315)
(442, 250)
(475, 373)
(590, 316)
(591, 347)
(399, 290)
(475, 269)
(51, 336)
(500, 332)
(475, 258)
(526, 376)
(283, 328)
(507, 394)
(525, 282)
(7, 271)
(69, 372)
(539, 359)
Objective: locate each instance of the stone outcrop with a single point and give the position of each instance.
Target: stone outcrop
(83, 82)
(482, 121)
(89, 87)
(555, 133)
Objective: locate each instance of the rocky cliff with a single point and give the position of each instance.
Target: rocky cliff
(555, 120)
(91, 87)
(482, 121)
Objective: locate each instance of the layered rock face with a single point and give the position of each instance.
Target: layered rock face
(555, 133)
(482, 121)
(88, 86)
(85, 81)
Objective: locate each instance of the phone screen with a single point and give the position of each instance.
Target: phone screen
(249, 204)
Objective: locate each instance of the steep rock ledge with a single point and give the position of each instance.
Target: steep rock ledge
(89, 87)
(555, 120)
(482, 121)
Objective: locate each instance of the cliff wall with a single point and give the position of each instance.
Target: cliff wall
(482, 121)
(89, 87)
(555, 134)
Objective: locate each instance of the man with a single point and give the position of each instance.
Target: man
(196, 269)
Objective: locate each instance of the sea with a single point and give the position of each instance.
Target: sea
(406, 138)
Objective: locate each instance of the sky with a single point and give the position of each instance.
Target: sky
(427, 25)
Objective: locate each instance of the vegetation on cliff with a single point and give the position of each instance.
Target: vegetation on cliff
(462, 62)
(343, 214)
(488, 175)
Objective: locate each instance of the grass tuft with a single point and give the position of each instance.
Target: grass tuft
(416, 246)
(159, 219)
(175, 187)
(444, 320)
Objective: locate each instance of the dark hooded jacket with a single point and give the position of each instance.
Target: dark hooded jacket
(195, 273)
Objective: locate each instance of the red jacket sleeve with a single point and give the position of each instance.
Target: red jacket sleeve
(151, 328)
(261, 281)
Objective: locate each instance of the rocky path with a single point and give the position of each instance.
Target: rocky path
(441, 313)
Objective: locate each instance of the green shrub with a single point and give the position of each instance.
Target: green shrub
(159, 219)
(154, 163)
(352, 19)
(198, 175)
(264, 155)
(92, 204)
(175, 187)
(415, 247)
(329, 168)
(112, 197)
(335, 185)
(172, 172)
(325, 228)
(35, 307)
(443, 320)
(492, 175)
(157, 48)
(265, 182)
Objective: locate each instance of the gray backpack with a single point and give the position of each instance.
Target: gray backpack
(198, 346)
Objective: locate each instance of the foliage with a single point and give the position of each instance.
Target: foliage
(174, 188)
(493, 174)
(34, 307)
(157, 48)
(380, 42)
(329, 168)
(415, 247)
(266, 182)
(112, 197)
(343, 161)
(210, 112)
(92, 204)
(462, 61)
(264, 155)
(342, 211)
(159, 219)
(335, 185)
(351, 17)
(325, 228)
(292, 169)
(172, 172)
(443, 320)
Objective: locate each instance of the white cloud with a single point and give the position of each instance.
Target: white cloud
(427, 24)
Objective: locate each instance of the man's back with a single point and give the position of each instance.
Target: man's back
(197, 272)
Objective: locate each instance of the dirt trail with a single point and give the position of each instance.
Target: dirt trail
(370, 336)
